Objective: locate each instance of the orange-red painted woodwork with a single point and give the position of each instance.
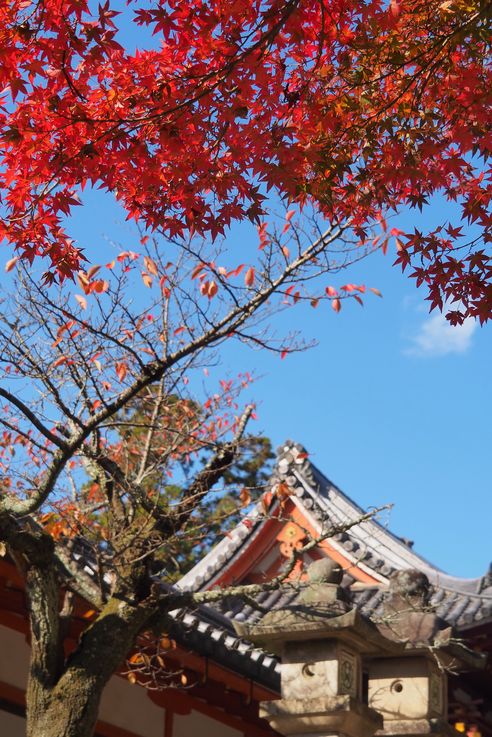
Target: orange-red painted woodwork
(168, 723)
(12, 694)
(103, 729)
(166, 698)
(252, 554)
(173, 700)
(273, 532)
(216, 672)
(9, 573)
(11, 620)
(330, 551)
(291, 537)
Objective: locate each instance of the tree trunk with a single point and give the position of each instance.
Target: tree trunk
(70, 707)
(72, 713)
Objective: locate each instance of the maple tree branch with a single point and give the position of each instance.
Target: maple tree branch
(41, 372)
(206, 479)
(73, 576)
(13, 428)
(156, 369)
(33, 419)
(158, 402)
(168, 523)
(64, 310)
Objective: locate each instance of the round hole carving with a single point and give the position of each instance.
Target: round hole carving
(308, 670)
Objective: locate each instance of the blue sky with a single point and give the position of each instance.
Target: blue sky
(392, 404)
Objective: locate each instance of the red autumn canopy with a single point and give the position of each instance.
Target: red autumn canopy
(361, 108)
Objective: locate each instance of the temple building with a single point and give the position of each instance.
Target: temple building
(364, 636)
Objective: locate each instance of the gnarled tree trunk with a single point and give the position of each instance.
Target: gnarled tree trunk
(63, 695)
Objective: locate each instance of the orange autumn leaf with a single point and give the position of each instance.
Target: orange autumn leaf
(244, 497)
(197, 271)
(151, 266)
(91, 273)
(10, 264)
(81, 300)
(249, 277)
(83, 281)
(121, 371)
(99, 286)
(212, 289)
(60, 361)
(166, 643)
(283, 490)
(147, 279)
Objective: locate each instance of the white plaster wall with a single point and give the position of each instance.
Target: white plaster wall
(14, 658)
(128, 706)
(196, 724)
(122, 705)
(12, 725)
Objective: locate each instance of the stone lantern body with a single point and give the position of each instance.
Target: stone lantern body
(320, 668)
(410, 694)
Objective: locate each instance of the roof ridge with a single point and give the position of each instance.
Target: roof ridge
(294, 463)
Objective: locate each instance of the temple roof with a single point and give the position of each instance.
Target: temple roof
(209, 633)
(370, 551)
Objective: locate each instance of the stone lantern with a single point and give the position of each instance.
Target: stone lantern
(321, 641)
(326, 646)
(410, 694)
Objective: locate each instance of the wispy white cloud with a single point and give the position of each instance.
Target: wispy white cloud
(436, 337)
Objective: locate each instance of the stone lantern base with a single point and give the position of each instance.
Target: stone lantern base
(325, 716)
(413, 727)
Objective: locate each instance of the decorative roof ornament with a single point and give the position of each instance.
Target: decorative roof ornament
(409, 588)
